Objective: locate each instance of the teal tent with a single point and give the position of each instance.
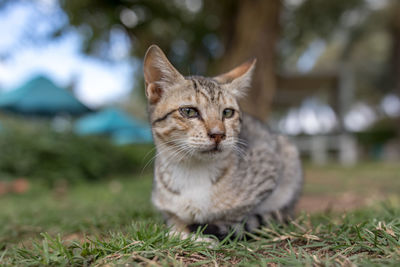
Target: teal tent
(41, 97)
(113, 122)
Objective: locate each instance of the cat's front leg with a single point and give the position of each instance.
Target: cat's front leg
(175, 224)
(180, 229)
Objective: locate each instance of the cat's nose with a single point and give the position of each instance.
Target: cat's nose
(217, 137)
(216, 131)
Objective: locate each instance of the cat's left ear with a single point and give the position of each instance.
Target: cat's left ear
(238, 79)
(159, 74)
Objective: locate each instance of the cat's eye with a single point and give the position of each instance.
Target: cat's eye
(189, 112)
(228, 113)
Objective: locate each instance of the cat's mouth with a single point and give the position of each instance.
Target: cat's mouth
(214, 150)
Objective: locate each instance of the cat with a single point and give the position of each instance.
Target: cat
(216, 167)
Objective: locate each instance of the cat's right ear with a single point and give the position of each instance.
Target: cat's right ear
(238, 79)
(159, 74)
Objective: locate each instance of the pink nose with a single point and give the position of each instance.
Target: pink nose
(217, 137)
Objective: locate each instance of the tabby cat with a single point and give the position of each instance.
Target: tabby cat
(215, 167)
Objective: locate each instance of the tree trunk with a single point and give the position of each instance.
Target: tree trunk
(254, 35)
(396, 54)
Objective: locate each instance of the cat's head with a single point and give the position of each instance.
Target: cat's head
(194, 117)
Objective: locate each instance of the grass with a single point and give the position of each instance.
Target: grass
(113, 223)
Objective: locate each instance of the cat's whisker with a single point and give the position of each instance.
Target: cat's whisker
(241, 142)
(161, 150)
(181, 155)
(192, 152)
(168, 142)
(176, 153)
(174, 149)
(241, 156)
(187, 153)
(241, 152)
(149, 152)
(239, 147)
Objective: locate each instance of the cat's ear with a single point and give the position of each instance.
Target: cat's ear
(238, 79)
(159, 73)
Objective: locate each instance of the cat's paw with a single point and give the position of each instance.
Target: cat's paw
(183, 235)
(203, 239)
(178, 234)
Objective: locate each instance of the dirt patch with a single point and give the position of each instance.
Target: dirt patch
(341, 189)
(338, 203)
(75, 237)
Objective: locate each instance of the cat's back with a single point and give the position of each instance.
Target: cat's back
(265, 150)
(273, 153)
(256, 135)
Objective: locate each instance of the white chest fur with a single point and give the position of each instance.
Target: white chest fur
(193, 184)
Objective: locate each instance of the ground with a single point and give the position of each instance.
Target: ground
(342, 189)
(346, 216)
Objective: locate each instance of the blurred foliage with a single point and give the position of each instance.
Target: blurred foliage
(50, 156)
(358, 33)
(316, 19)
(184, 29)
(197, 33)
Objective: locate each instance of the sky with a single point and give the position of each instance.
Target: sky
(98, 82)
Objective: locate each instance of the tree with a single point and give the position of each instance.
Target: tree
(191, 35)
(395, 53)
(254, 33)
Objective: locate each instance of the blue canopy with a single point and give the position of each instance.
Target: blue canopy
(120, 126)
(40, 96)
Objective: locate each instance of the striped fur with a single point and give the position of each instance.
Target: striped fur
(229, 173)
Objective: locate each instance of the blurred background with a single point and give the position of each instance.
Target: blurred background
(72, 104)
